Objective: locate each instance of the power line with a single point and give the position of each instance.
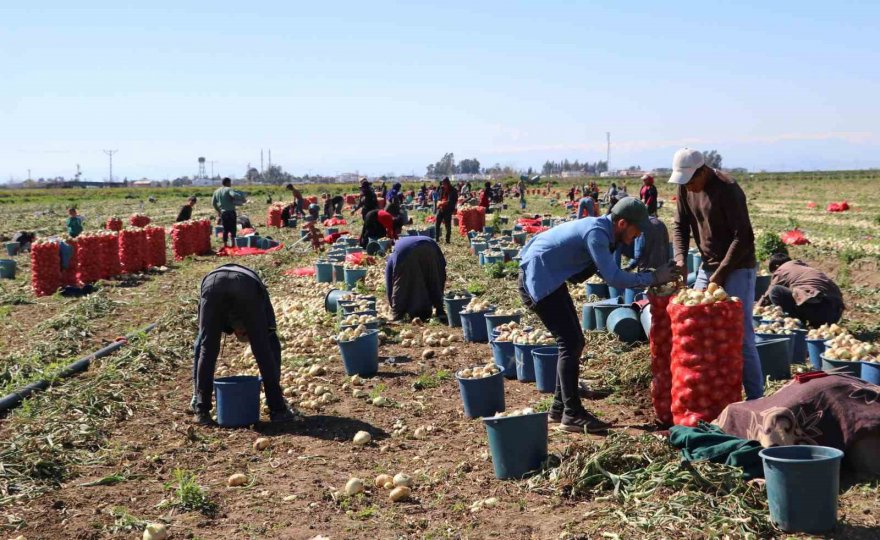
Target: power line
(110, 153)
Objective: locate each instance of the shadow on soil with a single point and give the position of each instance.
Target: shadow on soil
(335, 428)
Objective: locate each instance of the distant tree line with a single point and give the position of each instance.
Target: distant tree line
(556, 167)
(447, 166)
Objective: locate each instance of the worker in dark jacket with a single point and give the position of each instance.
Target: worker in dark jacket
(24, 239)
(332, 205)
(648, 194)
(368, 200)
(415, 275)
(712, 207)
(380, 224)
(486, 195)
(446, 204)
(186, 211)
(235, 300)
(803, 292)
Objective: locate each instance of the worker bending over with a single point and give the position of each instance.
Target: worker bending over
(573, 252)
(235, 300)
(415, 276)
(803, 292)
(380, 224)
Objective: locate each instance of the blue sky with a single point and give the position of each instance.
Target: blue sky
(383, 87)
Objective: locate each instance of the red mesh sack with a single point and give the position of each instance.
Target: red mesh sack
(155, 246)
(706, 361)
(113, 224)
(139, 220)
(203, 237)
(273, 216)
(45, 268)
(182, 239)
(471, 219)
(88, 267)
(351, 199)
(794, 237)
(109, 257)
(661, 351)
(132, 250)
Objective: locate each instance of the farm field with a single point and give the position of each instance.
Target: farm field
(101, 454)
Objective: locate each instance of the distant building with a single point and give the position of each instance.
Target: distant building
(347, 178)
(205, 182)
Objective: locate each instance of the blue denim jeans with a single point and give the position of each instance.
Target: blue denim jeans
(741, 283)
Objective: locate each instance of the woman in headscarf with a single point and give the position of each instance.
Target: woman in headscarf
(648, 194)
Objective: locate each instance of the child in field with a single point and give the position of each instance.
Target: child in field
(74, 223)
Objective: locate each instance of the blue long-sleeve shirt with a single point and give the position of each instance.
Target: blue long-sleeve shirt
(552, 257)
(586, 207)
(401, 249)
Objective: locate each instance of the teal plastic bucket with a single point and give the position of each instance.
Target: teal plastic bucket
(324, 272)
(510, 253)
(545, 360)
(7, 269)
(492, 259)
(454, 307)
(361, 356)
(842, 367)
(598, 289)
(238, 400)
(802, 485)
(474, 327)
(482, 397)
(241, 241)
(493, 320)
(331, 230)
(479, 247)
(488, 229)
(373, 248)
(799, 350)
(690, 260)
(525, 364)
(369, 326)
(762, 283)
(384, 243)
(331, 300)
(353, 250)
(870, 372)
(588, 317)
(815, 348)
(518, 444)
(630, 295)
(645, 318)
(339, 273)
(519, 238)
(614, 292)
(601, 312)
(624, 322)
(353, 275)
(770, 337)
(505, 357)
(774, 357)
(351, 241)
(12, 248)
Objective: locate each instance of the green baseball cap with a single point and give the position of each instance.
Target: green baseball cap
(632, 210)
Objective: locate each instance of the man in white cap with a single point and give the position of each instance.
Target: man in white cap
(712, 207)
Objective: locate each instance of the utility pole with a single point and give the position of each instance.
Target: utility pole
(261, 162)
(110, 153)
(212, 168)
(608, 152)
(270, 158)
(29, 174)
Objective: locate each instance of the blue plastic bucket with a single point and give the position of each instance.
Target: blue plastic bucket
(525, 364)
(774, 356)
(492, 259)
(799, 350)
(353, 249)
(770, 337)
(598, 289)
(324, 272)
(505, 357)
(614, 292)
(241, 241)
(369, 326)
(519, 238)
(12, 248)
(7, 269)
(474, 326)
(588, 317)
(238, 400)
(478, 247)
(361, 356)
(292, 223)
(625, 324)
(762, 283)
(518, 444)
(870, 372)
(482, 397)
(331, 230)
(218, 231)
(338, 273)
(630, 295)
(815, 348)
(802, 486)
(351, 241)
(493, 320)
(373, 248)
(384, 243)
(488, 229)
(645, 318)
(545, 360)
(331, 300)
(353, 275)
(510, 253)
(690, 260)
(842, 367)
(454, 307)
(601, 312)
(253, 241)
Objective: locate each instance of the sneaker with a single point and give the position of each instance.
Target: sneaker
(284, 416)
(554, 417)
(583, 422)
(192, 405)
(203, 418)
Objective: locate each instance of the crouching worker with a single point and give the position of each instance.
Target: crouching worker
(380, 224)
(803, 292)
(415, 276)
(234, 300)
(573, 252)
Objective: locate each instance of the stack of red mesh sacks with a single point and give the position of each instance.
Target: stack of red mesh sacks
(109, 255)
(69, 274)
(471, 218)
(139, 220)
(89, 258)
(132, 250)
(113, 224)
(351, 199)
(45, 268)
(661, 349)
(203, 238)
(706, 358)
(842, 206)
(155, 246)
(273, 217)
(191, 238)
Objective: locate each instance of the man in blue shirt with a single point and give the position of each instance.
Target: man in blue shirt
(572, 252)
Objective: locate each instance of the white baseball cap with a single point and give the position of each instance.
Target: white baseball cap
(684, 164)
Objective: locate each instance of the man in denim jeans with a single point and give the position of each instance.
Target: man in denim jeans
(712, 207)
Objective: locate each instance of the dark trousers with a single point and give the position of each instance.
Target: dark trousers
(446, 219)
(228, 295)
(558, 314)
(815, 313)
(418, 282)
(230, 222)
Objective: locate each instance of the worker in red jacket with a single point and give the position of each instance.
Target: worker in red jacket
(648, 194)
(486, 195)
(380, 224)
